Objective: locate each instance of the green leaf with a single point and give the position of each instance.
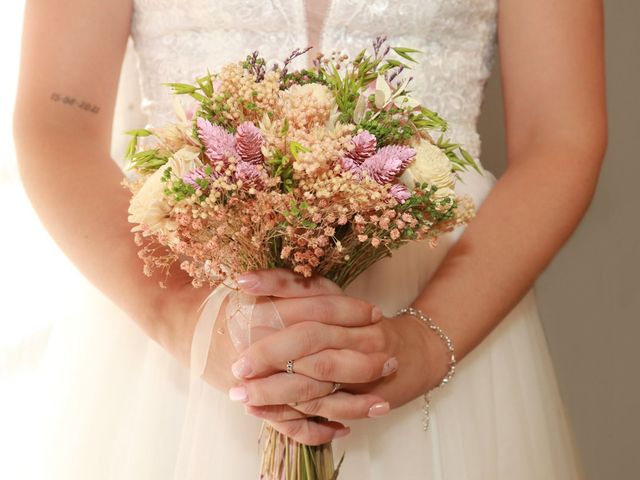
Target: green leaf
(181, 88)
(285, 127)
(404, 53)
(296, 148)
(396, 63)
(309, 224)
(142, 132)
(470, 160)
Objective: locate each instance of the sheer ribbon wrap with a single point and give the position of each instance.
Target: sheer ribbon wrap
(234, 317)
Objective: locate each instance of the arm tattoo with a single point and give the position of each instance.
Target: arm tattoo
(73, 102)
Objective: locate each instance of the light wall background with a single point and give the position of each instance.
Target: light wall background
(589, 297)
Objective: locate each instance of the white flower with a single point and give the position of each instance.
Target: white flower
(431, 166)
(184, 161)
(149, 208)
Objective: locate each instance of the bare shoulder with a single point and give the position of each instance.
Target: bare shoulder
(552, 66)
(72, 51)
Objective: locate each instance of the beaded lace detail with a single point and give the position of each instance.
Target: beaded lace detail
(177, 40)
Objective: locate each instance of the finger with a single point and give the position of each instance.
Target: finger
(278, 413)
(279, 282)
(345, 406)
(280, 388)
(270, 354)
(309, 432)
(346, 366)
(328, 309)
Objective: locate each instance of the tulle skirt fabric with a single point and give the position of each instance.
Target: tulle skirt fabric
(111, 404)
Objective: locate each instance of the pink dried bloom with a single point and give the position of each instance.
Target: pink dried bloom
(364, 146)
(218, 143)
(249, 174)
(388, 162)
(375, 242)
(192, 178)
(395, 234)
(400, 192)
(249, 142)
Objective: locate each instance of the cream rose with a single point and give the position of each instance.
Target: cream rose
(431, 166)
(149, 208)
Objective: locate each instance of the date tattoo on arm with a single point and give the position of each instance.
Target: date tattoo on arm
(73, 102)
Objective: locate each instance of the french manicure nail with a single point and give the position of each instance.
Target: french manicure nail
(247, 280)
(343, 432)
(238, 394)
(390, 366)
(241, 368)
(379, 409)
(376, 314)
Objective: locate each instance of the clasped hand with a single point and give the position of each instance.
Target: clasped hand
(332, 339)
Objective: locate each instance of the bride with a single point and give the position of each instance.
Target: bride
(120, 403)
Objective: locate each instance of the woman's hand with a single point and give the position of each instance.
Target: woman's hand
(332, 338)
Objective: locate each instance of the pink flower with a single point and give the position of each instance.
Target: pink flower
(388, 162)
(364, 147)
(249, 174)
(249, 142)
(218, 143)
(400, 192)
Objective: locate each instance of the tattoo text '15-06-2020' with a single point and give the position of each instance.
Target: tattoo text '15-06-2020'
(73, 102)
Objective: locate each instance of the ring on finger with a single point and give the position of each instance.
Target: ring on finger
(290, 367)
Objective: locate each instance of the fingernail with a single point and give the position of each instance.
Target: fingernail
(343, 432)
(241, 368)
(379, 409)
(238, 394)
(376, 314)
(247, 280)
(390, 366)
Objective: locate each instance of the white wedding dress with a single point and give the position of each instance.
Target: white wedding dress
(113, 405)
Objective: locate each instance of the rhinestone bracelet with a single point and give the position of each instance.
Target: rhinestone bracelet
(426, 417)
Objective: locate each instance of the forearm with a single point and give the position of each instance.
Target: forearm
(83, 205)
(527, 217)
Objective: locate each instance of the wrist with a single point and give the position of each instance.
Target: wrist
(431, 357)
(175, 314)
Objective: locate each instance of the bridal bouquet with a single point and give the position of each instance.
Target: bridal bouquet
(323, 170)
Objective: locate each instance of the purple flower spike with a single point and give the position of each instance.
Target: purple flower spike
(400, 192)
(388, 162)
(192, 177)
(349, 165)
(249, 142)
(364, 147)
(218, 143)
(249, 174)
(405, 154)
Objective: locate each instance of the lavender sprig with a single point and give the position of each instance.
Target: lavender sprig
(256, 65)
(292, 56)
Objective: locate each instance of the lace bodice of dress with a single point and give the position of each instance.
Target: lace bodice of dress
(177, 40)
